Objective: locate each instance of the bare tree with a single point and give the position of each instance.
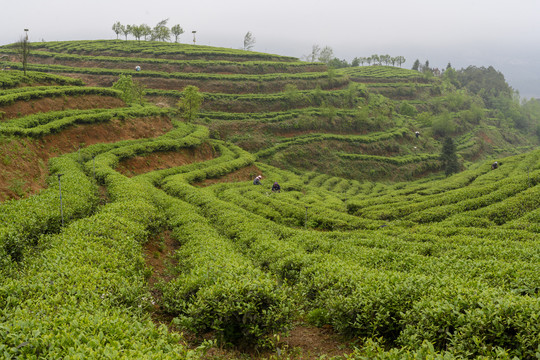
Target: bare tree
(249, 41)
(315, 51)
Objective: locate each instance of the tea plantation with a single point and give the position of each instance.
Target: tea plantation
(367, 236)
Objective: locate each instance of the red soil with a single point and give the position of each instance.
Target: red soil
(163, 160)
(23, 162)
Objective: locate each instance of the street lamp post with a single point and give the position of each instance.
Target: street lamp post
(26, 31)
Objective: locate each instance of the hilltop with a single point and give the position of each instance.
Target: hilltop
(160, 246)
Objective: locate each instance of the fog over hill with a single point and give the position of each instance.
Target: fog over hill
(463, 32)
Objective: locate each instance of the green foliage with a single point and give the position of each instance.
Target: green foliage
(10, 96)
(407, 109)
(190, 102)
(486, 82)
(14, 78)
(380, 72)
(292, 94)
(40, 125)
(439, 267)
(443, 125)
(425, 119)
(132, 91)
(449, 157)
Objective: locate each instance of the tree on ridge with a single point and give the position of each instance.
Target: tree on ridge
(117, 28)
(249, 41)
(177, 30)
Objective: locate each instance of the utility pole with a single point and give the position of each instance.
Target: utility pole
(61, 206)
(194, 32)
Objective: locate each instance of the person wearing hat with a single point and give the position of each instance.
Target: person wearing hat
(494, 165)
(257, 180)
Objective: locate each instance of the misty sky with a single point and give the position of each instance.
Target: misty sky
(504, 34)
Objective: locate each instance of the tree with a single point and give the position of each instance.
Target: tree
(355, 62)
(338, 63)
(416, 65)
(449, 156)
(145, 31)
(400, 60)
(22, 47)
(177, 30)
(315, 51)
(249, 41)
(126, 30)
(132, 91)
(190, 102)
(292, 94)
(117, 28)
(161, 32)
(326, 54)
(137, 31)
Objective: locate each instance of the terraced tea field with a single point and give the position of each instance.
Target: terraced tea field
(427, 267)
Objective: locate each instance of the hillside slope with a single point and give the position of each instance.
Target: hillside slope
(160, 246)
(259, 101)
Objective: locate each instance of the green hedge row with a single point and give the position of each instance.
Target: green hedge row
(247, 67)
(217, 288)
(29, 93)
(43, 124)
(306, 139)
(86, 294)
(363, 301)
(239, 302)
(14, 78)
(284, 210)
(178, 75)
(24, 222)
(154, 48)
(467, 190)
(396, 160)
